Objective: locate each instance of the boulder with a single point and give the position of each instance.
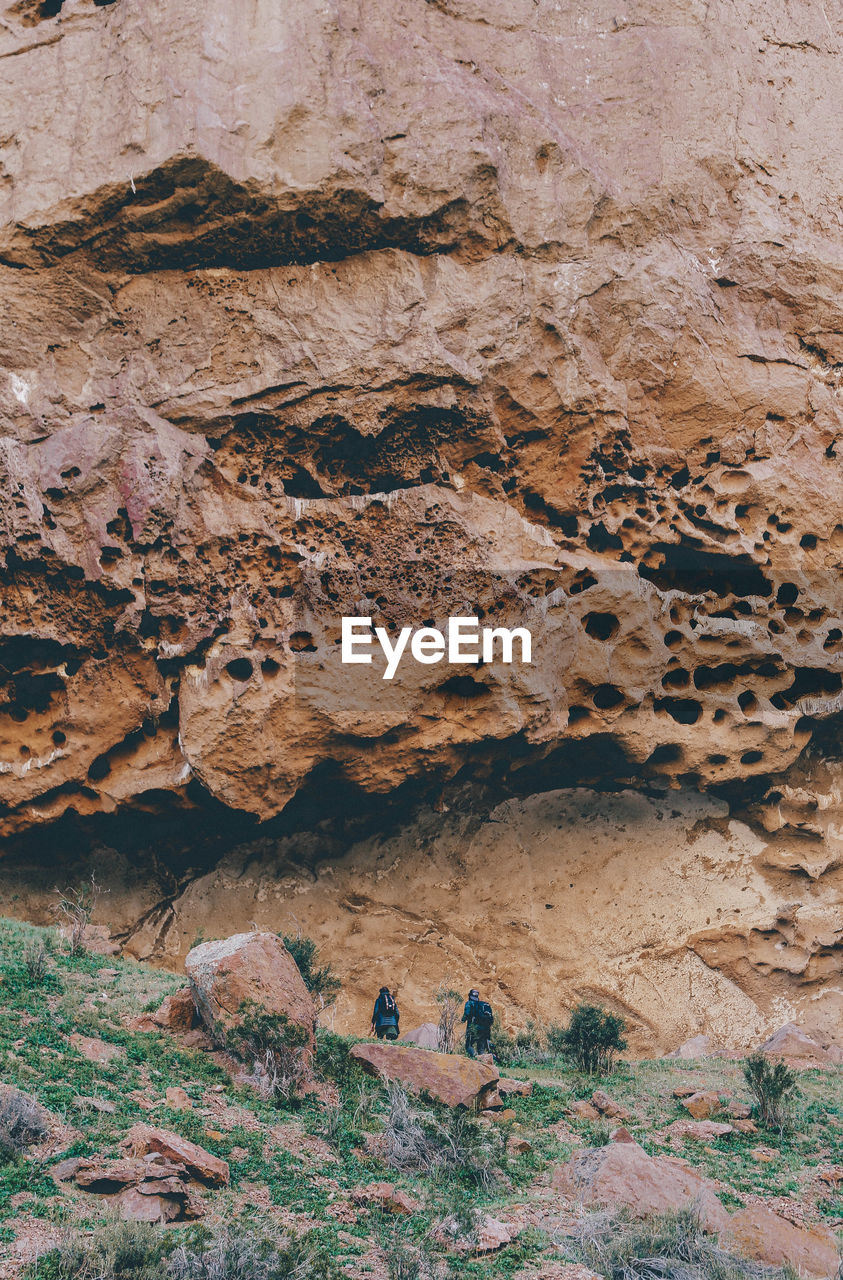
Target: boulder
(489, 1235)
(385, 1196)
(763, 1236)
(621, 1134)
(95, 1050)
(585, 1110)
(247, 968)
(795, 1045)
(696, 1047)
(424, 1037)
(177, 1012)
(700, 1130)
(177, 1098)
(143, 1140)
(518, 1088)
(608, 1107)
(622, 1175)
(448, 1077)
(702, 1105)
(518, 1146)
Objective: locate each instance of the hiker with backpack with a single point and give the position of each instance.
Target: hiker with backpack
(385, 1016)
(478, 1019)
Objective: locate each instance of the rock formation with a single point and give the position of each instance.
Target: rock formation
(518, 309)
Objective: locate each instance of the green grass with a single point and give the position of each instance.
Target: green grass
(36, 1056)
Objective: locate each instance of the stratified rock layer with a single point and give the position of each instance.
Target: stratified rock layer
(518, 309)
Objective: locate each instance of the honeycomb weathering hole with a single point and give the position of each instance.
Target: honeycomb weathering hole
(600, 626)
(239, 669)
(606, 696)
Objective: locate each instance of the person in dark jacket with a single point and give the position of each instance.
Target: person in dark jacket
(478, 1019)
(385, 1016)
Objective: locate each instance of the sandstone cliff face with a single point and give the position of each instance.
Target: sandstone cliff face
(422, 308)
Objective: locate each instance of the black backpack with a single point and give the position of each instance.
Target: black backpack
(483, 1013)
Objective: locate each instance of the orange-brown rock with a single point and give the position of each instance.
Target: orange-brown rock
(622, 1175)
(608, 1107)
(451, 1078)
(142, 1140)
(96, 1050)
(526, 308)
(387, 1197)
(247, 970)
(794, 1044)
(702, 1104)
(764, 1236)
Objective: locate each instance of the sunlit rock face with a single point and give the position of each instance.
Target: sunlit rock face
(521, 310)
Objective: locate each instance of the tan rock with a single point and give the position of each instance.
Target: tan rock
(143, 1140)
(451, 1078)
(700, 1130)
(519, 1088)
(703, 1104)
(622, 1175)
(425, 1036)
(386, 1196)
(518, 1145)
(697, 1047)
(584, 1110)
(248, 968)
(762, 1235)
(179, 1099)
(95, 1050)
(621, 1134)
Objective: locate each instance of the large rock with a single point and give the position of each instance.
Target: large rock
(143, 1140)
(622, 1175)
(762, 1235)
(425, 1036)
(528, 308)
(793, 1044)
(248, 969)
(449, 1077)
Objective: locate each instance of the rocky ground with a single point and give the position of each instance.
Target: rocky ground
(140, 1116)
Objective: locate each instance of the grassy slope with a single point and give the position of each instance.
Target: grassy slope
(300, 1168)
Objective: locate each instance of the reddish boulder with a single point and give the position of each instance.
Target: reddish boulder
(99, 1051)
(518, 1088)
(177, 1012)
(448, 1077)
(143, 1140)
(700, 1130)
(248, 968)
(795, 1045)
(608, 1107)
(387, 1197)
(585, 1110)
(623, 1175)
(763, 1236)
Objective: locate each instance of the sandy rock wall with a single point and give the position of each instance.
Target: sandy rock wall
(414, 309)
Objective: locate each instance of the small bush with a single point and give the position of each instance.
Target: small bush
(449, 1002)
(114, 1251)
(22, 1122)
(454, 1146)
(243, 1254)
(407, 1261)
(36, 961)
(333, 1061)
(73, 909)
(277, 1048)
(774, 1088)
(672, 1246)
(320, 980)
(593, 1038)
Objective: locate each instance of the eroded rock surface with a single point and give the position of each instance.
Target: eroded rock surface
(412, 309)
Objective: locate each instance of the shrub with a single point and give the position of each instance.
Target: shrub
(774, 1088)
(320, 980)
(36, 961)
(454, 1146)
(449, 1002)
(116, 1250)
(333, 1061)
(407, 1261)
(277, 1048)
(22, 1122)
(241, 1253)
(593, 1038)
(671, 1246)
(74, 908)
